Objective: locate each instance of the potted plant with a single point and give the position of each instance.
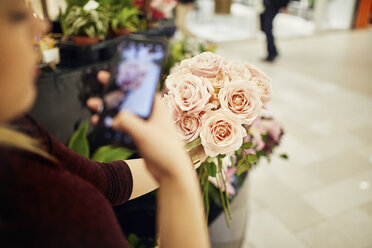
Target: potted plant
(125, 21)
(87, 26)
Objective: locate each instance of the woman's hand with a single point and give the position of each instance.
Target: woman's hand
(157, 141)
(156, 138)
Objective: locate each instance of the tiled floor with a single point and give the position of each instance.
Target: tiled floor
(322, 196)
(242, 23)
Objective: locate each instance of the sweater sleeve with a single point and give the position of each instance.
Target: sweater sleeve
(113, 179)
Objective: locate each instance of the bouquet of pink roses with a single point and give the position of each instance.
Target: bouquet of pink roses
(212, 100)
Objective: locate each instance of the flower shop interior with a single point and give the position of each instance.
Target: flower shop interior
(301, 175)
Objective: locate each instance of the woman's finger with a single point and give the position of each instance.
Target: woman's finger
(103, 77)
(129, 123)
(94, 119)
(94, 103)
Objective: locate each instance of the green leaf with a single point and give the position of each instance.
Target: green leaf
(212, 169)
(114, 24)
(193, 144)
(110, 153)
(247, 145)
(238, 153)
(240, 162)
(93, 23)
(80, 3)
(127, 17)
(243, 166)
(252, 158)
(283, 156)
(133, 240)
(79, 142)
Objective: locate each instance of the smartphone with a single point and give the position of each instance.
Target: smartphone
(134, 79)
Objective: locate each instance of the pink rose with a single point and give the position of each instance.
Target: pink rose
(264, 87)
(239, 71)
(275, 130)
(176, 75)
(185, 63)
(222, 77)
(257, 129)
(258, 142)
(255, 72)
(221, 133)
(248, 139)
(192, 93)
(174, 110)
(206, 64)
(241, 98)
(189, 127)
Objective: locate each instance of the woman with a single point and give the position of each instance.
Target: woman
(272, 8)
(52, 197)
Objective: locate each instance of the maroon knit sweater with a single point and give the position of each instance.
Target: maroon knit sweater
(64, 204)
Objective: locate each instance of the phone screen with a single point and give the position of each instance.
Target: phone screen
(139, 66)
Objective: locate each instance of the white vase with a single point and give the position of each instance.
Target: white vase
(224, 237)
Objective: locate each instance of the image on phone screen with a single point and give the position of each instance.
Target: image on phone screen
(135, 83)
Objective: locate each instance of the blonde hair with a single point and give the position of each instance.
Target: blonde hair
(9, 137)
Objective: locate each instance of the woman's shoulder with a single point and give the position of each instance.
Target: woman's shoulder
(22, 169)
(39, 198)
(17, 162)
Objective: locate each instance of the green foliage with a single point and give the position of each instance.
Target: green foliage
(251, 158)
(69, 5)
(123, 14)
(79, 142)
(239, 152)
(283, 156)
(134, 241)
(92, 23)
(243, 165)
(80, 3)
(247, 145)
(110, 153)
(126, 18)
(115, 6)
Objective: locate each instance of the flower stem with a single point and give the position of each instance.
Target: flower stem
(226, 195)
(203, 177)
(223, 199)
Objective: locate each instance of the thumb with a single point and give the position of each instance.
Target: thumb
(129, 123)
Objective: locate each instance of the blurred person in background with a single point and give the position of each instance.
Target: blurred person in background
(272, 8)
(53, 197)
(182, 9)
